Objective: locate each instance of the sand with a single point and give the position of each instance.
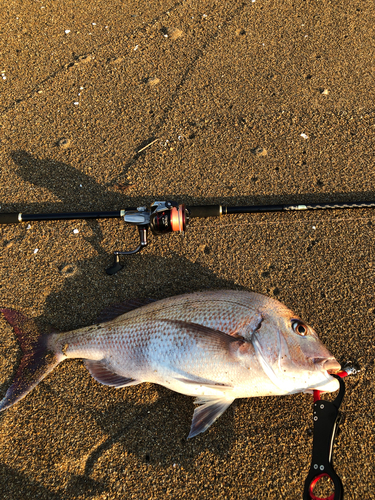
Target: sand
(247, 103)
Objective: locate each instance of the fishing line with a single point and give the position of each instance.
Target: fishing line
(192, 227)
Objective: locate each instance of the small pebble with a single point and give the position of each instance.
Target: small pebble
(84, 59)
(172, 33)
(153, 81)
(304, 136)
(64, 143)
(69, 270)
(259, 151)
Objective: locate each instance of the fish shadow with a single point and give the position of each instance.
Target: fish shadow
(157, 433)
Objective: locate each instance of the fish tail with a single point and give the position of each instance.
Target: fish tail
(37, 360)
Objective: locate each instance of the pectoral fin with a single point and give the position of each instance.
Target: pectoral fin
(101, 373)
(210, 409)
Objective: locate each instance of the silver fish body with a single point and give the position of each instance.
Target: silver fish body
(217, 346)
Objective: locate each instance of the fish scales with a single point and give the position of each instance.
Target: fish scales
(142, 352)
(217, 346)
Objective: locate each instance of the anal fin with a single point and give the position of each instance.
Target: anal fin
(210, 408)
(101, 373)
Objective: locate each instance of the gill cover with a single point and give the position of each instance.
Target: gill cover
(288, 361)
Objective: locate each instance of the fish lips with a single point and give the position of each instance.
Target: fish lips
(327, 366)
(330, 365)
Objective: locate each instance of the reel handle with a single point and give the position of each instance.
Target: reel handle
(116, 267)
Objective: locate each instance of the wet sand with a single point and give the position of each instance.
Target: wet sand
(251, 103)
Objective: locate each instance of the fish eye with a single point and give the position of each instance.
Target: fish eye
(299, 327)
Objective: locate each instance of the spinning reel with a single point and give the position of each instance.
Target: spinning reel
(163, 217)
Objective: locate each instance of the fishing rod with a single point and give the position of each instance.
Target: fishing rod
(169, 217)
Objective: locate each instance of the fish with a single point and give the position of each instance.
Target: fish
(215, 345)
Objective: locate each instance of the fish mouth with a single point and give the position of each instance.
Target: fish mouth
(329, 365)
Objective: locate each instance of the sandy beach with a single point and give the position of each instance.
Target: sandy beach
(109, 105)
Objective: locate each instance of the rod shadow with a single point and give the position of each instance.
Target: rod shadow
(65, 183)
(15, 485)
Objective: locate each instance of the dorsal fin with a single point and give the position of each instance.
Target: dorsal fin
(115, 310)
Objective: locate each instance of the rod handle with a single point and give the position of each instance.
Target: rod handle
(9, 218)
(205, 211)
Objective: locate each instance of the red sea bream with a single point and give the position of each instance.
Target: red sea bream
(216, 346)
